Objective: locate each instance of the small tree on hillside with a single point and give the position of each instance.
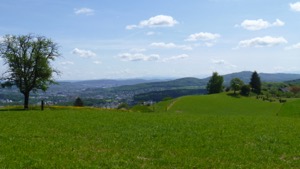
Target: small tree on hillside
(215, 84)
(255, 83)
(236, 84)
(78, 102)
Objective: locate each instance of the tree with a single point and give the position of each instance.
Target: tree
(78, 102)
(236, 84)
(255, 83)
(28, 63)
(215, 84)
(245, 90)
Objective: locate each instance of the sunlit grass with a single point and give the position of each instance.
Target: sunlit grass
(204, 135)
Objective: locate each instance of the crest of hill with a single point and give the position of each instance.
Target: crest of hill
(173, 84)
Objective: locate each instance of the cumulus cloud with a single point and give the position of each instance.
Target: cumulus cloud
(295, 46)
(156, 21)
(222, 62)
(84, 11)
(182, 56)
(254, 25)
(266, 41)
(67, 63)
(170, 46)
(138, 57)
(204, 36)
(295, 6)
(83, 53)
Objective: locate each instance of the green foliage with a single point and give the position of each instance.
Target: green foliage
(255, 83)
(215, 84)
(245, 90)
(236, 84)
(123, 106)
(78, 102)
(28, 59)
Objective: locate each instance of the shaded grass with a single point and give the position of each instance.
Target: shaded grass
(91, 138)
(290, 109)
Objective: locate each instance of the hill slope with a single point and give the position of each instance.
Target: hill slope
(222, 104)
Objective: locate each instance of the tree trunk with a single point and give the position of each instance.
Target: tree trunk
(26, 100)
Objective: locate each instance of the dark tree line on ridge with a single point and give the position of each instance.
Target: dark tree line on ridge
(215, 84)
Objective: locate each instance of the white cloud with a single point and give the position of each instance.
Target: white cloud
(138, 57)
(259, 24)
(218, 62)
(182, 56)
(67, 63)
(83, 53)
(204, 36)
(295, 6)
(266, 41)
(295, 46)
(224, 63)
(84, 11)
(97, 62)
(170, 46)
(278, 23)
(156, 21)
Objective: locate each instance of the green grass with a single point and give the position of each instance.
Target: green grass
(216, 131)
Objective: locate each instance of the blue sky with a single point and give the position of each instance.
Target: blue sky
(153, 38)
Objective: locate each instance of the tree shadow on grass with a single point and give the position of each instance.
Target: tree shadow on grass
(17, 108)
(234, 95)
(11, 109)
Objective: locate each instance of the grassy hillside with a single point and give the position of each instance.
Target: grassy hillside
(215, 131)
(291, 109)
(223, 104)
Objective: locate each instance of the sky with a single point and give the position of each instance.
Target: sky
(118, 39)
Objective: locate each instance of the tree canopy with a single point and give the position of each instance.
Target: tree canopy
(215, 84)
(78, 102)
(236, 84)
(28, 62)
(255, 83)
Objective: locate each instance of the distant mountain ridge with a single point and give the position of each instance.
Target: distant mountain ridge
(136, 84)
(195, 82)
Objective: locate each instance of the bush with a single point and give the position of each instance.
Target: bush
(245, 90)
(78, 102)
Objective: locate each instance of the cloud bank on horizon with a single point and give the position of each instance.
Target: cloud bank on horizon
(172, 39)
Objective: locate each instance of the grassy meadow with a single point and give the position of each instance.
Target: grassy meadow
(213, 131)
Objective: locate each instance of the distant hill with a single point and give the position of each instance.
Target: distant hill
(188, 82)
(107, 83)
(137, 84)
